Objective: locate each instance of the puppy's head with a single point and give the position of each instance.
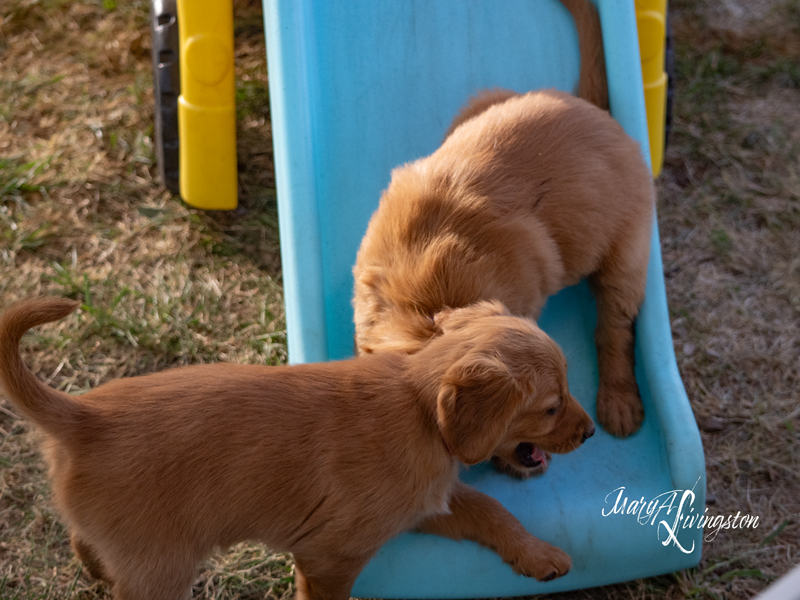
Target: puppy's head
(505, 390)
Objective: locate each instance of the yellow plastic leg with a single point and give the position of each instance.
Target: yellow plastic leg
(655, 100)
(207, 104)
(651, 18)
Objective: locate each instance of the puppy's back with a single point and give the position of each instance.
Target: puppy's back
(521, 200)
(561, 161)
(228, 452)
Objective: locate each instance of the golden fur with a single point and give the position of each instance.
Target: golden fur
(527, 194)
(327, 461)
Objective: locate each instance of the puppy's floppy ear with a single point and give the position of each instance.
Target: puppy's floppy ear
(450, 319)
(477, 399)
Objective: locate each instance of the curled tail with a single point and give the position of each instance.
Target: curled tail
(52, 410)
(592, 84)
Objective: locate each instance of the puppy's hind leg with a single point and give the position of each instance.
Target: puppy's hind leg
(326, 579)
(161, 576)
(89, 558)
(619, 289)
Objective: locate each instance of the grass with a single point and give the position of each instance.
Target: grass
(730, 220)
(83, 215)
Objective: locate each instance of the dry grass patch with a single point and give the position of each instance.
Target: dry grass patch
(82, 215)
(730, 220)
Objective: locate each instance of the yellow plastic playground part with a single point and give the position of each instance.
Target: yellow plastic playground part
(207, 104)
(651, 18)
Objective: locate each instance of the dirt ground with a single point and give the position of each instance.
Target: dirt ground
(83, 215)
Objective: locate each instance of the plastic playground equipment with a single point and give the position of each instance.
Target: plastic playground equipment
(195, 100)
(207, 137)
(360, 87)
(651, 21)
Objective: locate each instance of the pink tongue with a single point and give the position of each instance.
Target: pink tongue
(538, 454)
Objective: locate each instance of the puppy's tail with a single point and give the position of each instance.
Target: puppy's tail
(592, 84)
(53, 411)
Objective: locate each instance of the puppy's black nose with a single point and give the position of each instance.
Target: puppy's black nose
(588, 433)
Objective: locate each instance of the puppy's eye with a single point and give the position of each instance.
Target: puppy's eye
(552, 411)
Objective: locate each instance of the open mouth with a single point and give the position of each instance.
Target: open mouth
(529, 455)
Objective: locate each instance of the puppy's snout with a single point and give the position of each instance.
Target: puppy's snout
(587, 433)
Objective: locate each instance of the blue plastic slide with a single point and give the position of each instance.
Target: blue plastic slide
(361, 86)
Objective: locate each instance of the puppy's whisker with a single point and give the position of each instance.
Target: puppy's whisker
(573, 351)
(590, 457)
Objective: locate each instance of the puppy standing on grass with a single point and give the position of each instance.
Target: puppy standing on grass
(327, 461)
(528, 194)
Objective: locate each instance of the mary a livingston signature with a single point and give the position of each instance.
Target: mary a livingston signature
(685, 516)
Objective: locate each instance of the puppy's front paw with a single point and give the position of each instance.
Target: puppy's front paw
(542, 561)
(619, 408)
(518, 471)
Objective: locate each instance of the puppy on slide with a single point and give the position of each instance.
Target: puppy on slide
(328, 461)
(528, 194)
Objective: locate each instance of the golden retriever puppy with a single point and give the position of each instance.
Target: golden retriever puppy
(327, 461)
(528, 194)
